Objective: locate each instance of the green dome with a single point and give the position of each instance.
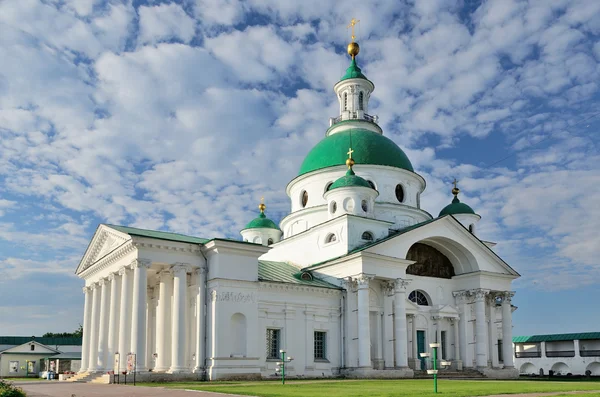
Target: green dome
(370, 148)
(348, 180)
(456, 207)
(353, 72)
(262, 222)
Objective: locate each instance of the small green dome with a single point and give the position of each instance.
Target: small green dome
(353, 72)
(262, 222)
(348, 180)
(371, 148)
(456, 207)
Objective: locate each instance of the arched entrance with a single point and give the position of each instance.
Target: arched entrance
(528, 369)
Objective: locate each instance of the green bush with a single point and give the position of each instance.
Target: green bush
(8, 390)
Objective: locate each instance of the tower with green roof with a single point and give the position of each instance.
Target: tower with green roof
(461, 211)
(261, 230)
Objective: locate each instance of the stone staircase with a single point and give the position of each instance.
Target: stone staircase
(89, 377)
(451, 374)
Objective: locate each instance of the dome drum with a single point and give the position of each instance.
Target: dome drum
(352, 200)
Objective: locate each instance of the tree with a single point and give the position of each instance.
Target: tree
(78, 333)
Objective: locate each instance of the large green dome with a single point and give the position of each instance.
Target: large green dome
(456, 207)
(369, 148)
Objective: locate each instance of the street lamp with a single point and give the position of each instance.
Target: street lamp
(434, 371)
(281, 365)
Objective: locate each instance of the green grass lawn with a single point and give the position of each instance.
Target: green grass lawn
(384, 388)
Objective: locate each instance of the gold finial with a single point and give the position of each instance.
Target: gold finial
(262, 205)
(350, 160)
(353, 47)
(455, 190)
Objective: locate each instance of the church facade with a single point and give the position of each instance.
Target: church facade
(357, 280)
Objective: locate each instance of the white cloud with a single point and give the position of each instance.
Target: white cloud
(165, 22)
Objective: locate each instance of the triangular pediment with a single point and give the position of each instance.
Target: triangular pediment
(446, 311)
(26, 348)
(105, 241)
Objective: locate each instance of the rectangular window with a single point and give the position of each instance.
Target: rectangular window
(443, 343)
(13, 367)
(273, 343)
(320, 345)
(500, 356)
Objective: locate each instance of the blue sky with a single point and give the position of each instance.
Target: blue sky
(180, 115)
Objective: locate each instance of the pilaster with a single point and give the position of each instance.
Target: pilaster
(138, 326)
(400, 326)
(364, 332)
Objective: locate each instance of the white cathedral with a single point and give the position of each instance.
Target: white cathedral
(356, 281)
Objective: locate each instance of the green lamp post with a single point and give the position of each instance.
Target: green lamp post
(434, 371)
(281, 365)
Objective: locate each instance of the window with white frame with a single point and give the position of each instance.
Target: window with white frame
(273, 343)
(320, 345)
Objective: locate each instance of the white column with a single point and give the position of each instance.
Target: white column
(200, 319)
(163, 321)
(138, 318)
(456, 339)
(464, 326)
(480, 328)
(179, 309)
(415, 350)
(87, 315)
(507, 347)
(400, 333)
(389, 339)
(364, 332)
(438, 337)
(150, 322)
(124, 317)
(103, 332)
(492, 332)
(94, 326)
(113, 319)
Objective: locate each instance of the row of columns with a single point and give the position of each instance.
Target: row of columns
(119, 316)
(362, 282)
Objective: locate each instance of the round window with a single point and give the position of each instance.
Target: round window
(400, 193)
(304, 198)
(364, 205)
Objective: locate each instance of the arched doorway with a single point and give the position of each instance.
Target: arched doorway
(527, 369)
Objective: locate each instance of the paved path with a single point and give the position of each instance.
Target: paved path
(67, 389)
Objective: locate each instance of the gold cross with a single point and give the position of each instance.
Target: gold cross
(455, 182)
(350, 151)
(353, 22)
(262, 200)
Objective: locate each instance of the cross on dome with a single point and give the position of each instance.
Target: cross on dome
(350, 161)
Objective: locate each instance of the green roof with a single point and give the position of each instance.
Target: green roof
(19, 340)
(353, 72)
(182, 238)
(456, 207)
(556, 337)
(348, 180)
(282, 272)
(262, 222)
(369, 148)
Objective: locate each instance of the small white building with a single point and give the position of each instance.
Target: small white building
(357, 279)
(22, 356)
(563, 354)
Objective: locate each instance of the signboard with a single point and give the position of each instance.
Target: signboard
(131, 362)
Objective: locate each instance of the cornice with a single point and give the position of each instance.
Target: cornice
(280, 287)
(165, 245)
(108, 260)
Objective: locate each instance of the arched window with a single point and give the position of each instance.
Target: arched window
(327, 187)
(400, 193)
(32, 347)
(368, 236)
(364, 205)
(371, 184)
(306, 276)
(360, 101)
(330, 238)
(304, 198)
(472, 228)
(345, 101)
(419, 298)
(270, 241)
(257, 240)
(333, 207)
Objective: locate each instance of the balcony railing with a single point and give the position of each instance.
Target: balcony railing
(561, 353)
(354, 116)
(528, 354)
(589, 353)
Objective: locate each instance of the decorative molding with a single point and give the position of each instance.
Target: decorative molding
(141, 262)
(507, 296)
(108, 260)
(363, 280)
(178, 268)
(103, 281)
(401, 284)
(480, 293)
(389, 288)
(201, 270)
(112, 276)
(283, 287)
(87, 289)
